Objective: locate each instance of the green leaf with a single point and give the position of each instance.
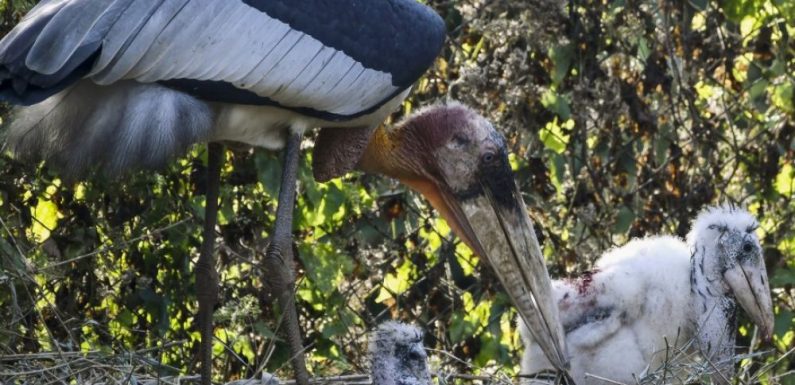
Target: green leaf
(556, 103)
(46, 219)
(643, 49)
(561, 56)
(758, 89)
(396, 283)
(125, 318)
(700, 5)
(340, 324)
(11, 260)
(326, 267)
(785, 181)
(225, 213)
(553, 137)
(661, 144)
(782, 97)
(460, 328)
(623, 220)
(736, 10)
(783, 323)
(489, 350)
(558, 173)
(262, 329)
(782, 277)
(334, 202)
(269, 171)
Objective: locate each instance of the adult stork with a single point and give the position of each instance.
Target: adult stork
(659, 292)
(118, 84)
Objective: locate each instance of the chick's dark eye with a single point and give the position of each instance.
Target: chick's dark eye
(748, 247)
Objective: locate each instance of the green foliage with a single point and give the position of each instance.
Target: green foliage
(625, 118)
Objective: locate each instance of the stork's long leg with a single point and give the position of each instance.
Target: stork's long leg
(206, 276)
(279, 258)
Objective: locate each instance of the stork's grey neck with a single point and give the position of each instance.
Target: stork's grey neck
(713, 307)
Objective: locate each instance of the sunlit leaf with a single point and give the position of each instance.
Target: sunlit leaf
(553, 137)
(740, 10)
(785, 180)
(45, 216)
(396, 283)
(556, 103)
(782, 96)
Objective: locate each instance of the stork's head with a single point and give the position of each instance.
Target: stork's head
(459, 162)
(728, 253)
(397, 356)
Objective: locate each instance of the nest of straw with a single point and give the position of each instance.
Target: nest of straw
(681, 366)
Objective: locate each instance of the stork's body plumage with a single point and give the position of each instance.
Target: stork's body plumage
(203, 70)
(119, 84)
(657, 293)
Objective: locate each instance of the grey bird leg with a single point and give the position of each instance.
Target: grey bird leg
(279, 258)
(206, 276)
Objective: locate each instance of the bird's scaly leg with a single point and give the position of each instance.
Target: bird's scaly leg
(279, 258)
(206, 276)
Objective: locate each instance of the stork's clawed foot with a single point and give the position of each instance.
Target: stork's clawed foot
(279, 259)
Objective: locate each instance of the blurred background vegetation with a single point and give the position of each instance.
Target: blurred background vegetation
(625, 118)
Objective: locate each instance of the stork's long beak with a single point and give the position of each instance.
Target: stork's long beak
(496, 226)
(750, 286)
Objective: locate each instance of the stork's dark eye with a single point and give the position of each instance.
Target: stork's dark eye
(489, 157)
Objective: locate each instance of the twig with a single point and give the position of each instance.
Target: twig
(604, 379)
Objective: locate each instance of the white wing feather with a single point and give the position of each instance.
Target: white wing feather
(244, 47)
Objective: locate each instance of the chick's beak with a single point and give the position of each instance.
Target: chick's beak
(750, 287)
